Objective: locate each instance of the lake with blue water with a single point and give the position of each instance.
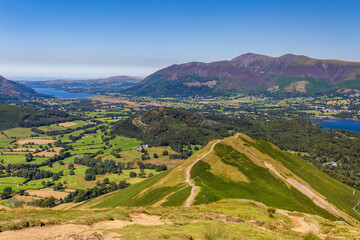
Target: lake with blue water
(62, 94)
(346, 124)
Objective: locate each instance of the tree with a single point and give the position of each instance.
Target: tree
(29, 157)
(49, 184)
(113, 186)
(123, 184)
(71, 166)
(71, 172)
(133, 174)
(89, 177)
(165, 153)
(106, 181)
(142, 174)
(160, 168)
(21, 192)
(155, 155)
(6, 193)
(58, 187)
(56, 176)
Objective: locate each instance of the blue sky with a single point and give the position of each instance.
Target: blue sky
(88, 38)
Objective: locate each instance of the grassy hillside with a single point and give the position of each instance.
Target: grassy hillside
(336, 192)
(260, 184)
(10, 116)
(241, 168)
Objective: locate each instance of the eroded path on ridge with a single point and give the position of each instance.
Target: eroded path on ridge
(137, 122)
(302, 224)
(356, 204)
(194, 188)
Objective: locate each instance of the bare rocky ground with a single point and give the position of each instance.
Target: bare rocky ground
(96, 231)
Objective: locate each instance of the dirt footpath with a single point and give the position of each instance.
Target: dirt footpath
(80, 232)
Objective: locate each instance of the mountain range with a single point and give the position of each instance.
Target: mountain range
(288, 75)
(253, 73)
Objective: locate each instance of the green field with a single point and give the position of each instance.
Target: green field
(18, 133)
(20, 158)
(125, 143)
(5, 142)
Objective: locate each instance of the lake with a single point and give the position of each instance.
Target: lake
(62, 94)
(350, 125)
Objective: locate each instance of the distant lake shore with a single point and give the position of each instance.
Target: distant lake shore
(62, 93)
(344, 124)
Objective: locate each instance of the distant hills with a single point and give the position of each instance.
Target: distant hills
(113, 84)
(13, 91)
(253, 73)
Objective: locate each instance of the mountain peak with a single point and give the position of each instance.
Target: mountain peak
(250, 57)
(293, 57)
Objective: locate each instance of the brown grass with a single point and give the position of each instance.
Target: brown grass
(48, 192)
(110, 101)
(35, 141)
(169, 163)
(49, 154)
(24, 149)
(67, 124)
(300, 86)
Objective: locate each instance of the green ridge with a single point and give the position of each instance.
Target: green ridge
(262, 186)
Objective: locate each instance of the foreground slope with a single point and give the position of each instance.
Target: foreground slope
(242, 168)
(225, 219)
(254, 73)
